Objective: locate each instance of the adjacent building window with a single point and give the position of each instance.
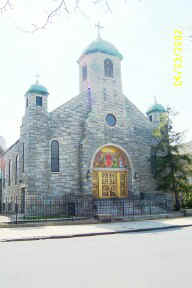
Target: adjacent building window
(55, 156)
(84, 72)
(39, 101)
(23, 157)
(9, 173)
(16, 168)
(108, 68)
(3, 178)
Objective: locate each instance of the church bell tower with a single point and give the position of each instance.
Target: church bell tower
(100, 73)
(34, 140)
(106, 123)
(36, 99)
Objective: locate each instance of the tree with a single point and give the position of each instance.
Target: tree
(171, 167)
(54, 8)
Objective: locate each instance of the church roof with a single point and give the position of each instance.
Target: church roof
(2, 144)
(156, 108)
(102, 46)
(38, 88)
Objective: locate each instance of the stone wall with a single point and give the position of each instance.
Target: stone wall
(66, 125)
(12, 189)
(80, 128)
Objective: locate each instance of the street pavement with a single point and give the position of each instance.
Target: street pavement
(67, 231)
(154, 259)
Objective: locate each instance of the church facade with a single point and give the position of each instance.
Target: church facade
(97, 144)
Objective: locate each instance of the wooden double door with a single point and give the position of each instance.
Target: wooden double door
(109, 184)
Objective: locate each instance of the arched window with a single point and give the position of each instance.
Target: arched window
(39, 101)
(84, 72)
(55, 156)
(16, 168)
(108, 67)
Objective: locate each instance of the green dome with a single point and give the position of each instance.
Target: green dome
(104, 47)
(156, 108)
(39, 89)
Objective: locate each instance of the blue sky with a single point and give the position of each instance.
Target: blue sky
(141, 30)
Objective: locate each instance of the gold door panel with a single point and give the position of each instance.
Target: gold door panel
(109, 184)
(123, 184)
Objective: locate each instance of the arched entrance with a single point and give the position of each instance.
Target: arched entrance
(110, 173)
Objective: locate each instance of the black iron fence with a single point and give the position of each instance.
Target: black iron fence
(73, 207)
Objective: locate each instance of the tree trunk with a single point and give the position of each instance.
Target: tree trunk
(177, 202)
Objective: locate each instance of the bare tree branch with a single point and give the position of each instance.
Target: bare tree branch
(51, 15)
(62, 5)
(108, 6)
(5, 6)
(77, 4)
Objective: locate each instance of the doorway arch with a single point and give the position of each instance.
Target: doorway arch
(110, 172)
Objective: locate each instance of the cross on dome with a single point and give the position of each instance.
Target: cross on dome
(155, 100)
(99, 27)
(37, 76)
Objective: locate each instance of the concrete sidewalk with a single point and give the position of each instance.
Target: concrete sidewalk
(69, 231)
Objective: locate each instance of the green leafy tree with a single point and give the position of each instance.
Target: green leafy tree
(171, 167)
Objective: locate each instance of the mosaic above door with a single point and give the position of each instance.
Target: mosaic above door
(110, 157)
(110, 173)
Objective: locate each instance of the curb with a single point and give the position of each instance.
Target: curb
(95, 234)
(89, 221)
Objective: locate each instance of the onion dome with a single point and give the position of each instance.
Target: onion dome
(156, 108)
(102, 46)
(38, 89)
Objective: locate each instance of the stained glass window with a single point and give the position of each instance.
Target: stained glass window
(111, 120)
(108, 67)
(55, 156)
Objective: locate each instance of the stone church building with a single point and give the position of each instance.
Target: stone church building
(96, 144)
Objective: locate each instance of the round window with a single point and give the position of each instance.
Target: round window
(111, 120)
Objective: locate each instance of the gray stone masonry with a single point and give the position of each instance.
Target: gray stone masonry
(80, 128)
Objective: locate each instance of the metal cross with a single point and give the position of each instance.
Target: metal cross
(37, 76)
(155, 100)
(99, 27)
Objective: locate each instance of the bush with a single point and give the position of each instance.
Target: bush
(187, 200)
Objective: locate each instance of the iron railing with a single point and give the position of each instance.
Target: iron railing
(73, 207)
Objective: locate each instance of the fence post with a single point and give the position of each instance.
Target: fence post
(16, 211)
(150, 207)
(166, 205)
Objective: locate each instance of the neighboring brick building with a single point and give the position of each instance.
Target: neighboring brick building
(2, 166)
(96, 144)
